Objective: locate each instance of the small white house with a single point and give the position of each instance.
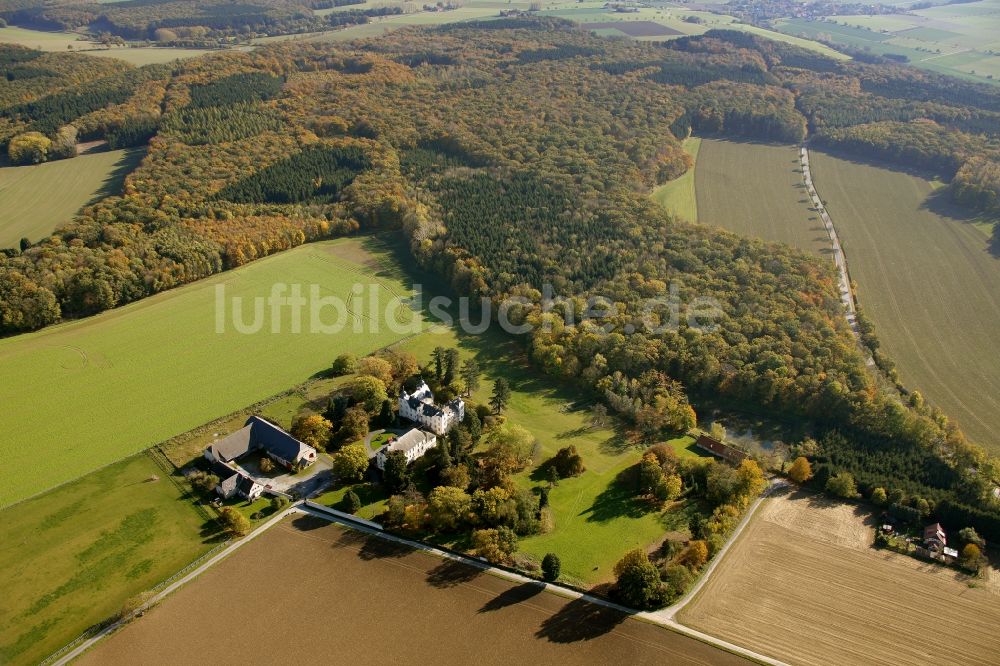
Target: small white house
(413, 444)
(419, 407)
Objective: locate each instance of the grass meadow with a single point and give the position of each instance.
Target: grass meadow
(756, 190)
(958, 39)
(34, 200)
(70, 558)
(679, 196)
(926, 277)
(119, 382)
(65, 41)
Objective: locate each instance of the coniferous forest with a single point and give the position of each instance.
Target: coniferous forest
(516, 153)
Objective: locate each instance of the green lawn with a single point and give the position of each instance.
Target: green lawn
(71, 557)
(34, 200)
(373, 499)
(927, 279)
(756, 190)
(126, 379)
(678, 196)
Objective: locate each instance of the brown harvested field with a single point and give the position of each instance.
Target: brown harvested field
(635, 28)
(310, 592)
(802, 585)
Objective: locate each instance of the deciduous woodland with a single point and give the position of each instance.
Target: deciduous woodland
(206, 22)
(516, 153)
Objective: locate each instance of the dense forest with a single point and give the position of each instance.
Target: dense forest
(518, 153)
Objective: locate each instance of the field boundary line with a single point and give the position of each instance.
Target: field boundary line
(167, 587)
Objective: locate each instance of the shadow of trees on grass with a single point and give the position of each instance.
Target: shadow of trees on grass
(618, 499)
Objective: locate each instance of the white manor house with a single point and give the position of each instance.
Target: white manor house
(419, 407)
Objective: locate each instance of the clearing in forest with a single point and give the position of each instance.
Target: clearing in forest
(34, 200)
(756, 190)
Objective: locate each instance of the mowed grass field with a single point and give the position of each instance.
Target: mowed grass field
(679, 196)
(82, 394)
(928, 281)
(70, 558)
(34, 200)
(802, 585)
(308, 591)
(756, 190)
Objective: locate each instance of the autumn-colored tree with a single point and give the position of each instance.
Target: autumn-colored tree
(800, 470)
(971, 556)
(350, 462)
(379, 368)
(457, 476)
(313, 430)
(448, 507)
(496, 545)
(354, 425)
(369, 391)
(509, 452)
(879, 497)
(234, 522)
(695, 555)
(29, 148)
(493, 506)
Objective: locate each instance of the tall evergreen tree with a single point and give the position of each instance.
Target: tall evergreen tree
(501, 396)
(470, 375)
(438, 356)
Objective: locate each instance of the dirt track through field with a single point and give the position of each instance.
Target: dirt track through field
(311, 592)
(802, 585)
